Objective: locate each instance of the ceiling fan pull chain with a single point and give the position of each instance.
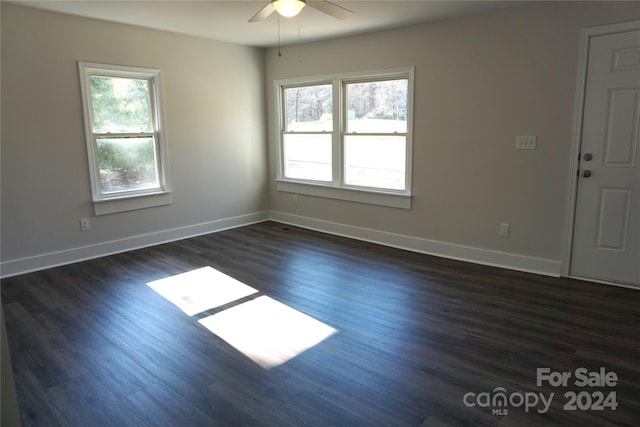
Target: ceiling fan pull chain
(279, 51)
(299, 54)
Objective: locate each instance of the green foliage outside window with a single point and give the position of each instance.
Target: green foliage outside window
(126, 163)
(120, 105)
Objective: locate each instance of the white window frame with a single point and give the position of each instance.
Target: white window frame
(337, 189)
(136, 199)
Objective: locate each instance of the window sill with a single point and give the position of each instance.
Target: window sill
(394, 200)
(130, 203)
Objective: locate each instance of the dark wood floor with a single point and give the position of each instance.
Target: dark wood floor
(92, 344)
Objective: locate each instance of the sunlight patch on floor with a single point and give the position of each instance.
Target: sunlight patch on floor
(266, 331)
(201, 290)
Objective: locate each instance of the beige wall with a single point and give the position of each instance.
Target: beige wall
(480, 81)
(214, 110)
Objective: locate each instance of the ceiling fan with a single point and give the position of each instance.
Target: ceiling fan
(289, 8)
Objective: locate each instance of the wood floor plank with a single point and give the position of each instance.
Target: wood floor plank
(159, 405)
(36, 409)
(93, 344)
(86, 401)
(228, 404)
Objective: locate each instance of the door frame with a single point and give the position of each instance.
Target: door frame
(576, 137)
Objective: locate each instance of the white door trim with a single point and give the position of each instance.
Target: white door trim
(576, 138)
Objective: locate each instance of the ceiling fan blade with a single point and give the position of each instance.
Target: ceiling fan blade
(329, 8)
(264, 13)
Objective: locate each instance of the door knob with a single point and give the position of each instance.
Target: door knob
(587, 157)
(586, 173)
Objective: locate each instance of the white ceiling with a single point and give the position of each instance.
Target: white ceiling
(227, 20)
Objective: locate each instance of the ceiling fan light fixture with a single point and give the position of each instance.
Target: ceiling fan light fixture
(288, 8)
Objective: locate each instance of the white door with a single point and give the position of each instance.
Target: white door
(606, 243)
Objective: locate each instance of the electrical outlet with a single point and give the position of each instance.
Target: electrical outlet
(85, 225)
(504, 229)
(526, 142)
(295, 199)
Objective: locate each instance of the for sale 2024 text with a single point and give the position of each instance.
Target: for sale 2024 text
(583, 400)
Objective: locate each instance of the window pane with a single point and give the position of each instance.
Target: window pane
(127, 164)
(308, 109)
(307, 156)
(120, 105)
(375, 161)
(377, 107)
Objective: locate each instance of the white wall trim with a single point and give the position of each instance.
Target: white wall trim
(541, 266)
(527, 264)
(82, 253)
(393, 200)
(576, 137)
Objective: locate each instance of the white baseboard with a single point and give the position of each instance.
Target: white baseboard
(69, 256)
(447, 250)
(545, 267)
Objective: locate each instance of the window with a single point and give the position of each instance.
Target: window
(375, 141)
(347, 137)
(307, 135)
(125, 139)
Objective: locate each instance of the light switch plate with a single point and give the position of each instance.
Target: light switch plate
(526, 142)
